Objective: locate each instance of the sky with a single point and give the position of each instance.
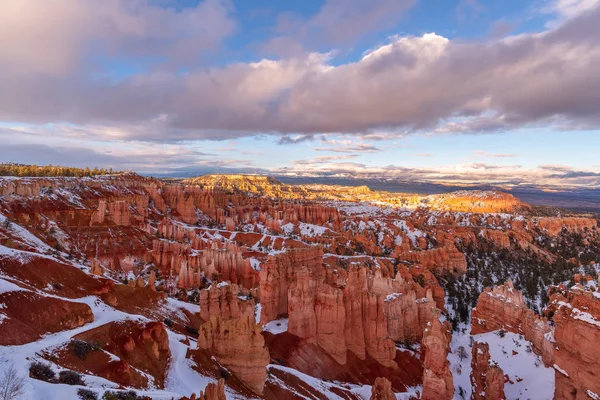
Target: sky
(495, 91)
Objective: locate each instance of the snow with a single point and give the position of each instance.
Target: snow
(175, 306)
(392, 297)
(181, 378)
(537, 380)
(277, 326)
(287, 228)
(413, 234)
(26, 236)
(257, 311)
(312, 230)
(6, 286)
(580, 315)
(461, 370)
(585, 317)
(325, 387)
(592, 395)
(363, 208)
(255, 264)
(559, 369)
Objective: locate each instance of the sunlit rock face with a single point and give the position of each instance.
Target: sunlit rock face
(437, 379)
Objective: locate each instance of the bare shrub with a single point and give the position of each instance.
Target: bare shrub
(12, 386)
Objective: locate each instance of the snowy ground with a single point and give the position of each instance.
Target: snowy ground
(537, 381)
(181, 379)
(324, 387)
(461, 370)
(529, 378)
(277, 326)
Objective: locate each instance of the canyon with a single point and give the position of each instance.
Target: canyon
(238, 286)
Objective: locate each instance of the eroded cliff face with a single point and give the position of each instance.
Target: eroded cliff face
(500, 307)
(353, 280)
(569, 346)
(577, 334)
(27, 316)
(553, 225)
(487, 379)
(345, 308)
(276, 276)
(228, 301)
(239, 346)
(503, 307)
(382, 390)
(438, 382)
(213, 391)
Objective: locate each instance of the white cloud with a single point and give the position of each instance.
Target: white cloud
(413, 84)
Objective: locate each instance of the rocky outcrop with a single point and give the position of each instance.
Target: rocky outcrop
(26, 316)
(226, 301)
(435, 346)
(487, 379)
(477, 201)
(114, 212)
(330, 315)
(503, 307)
(378, 344)
(382, 390)
(442, 258)
(345, 308)
(554, 225)
(301, 304)
(239, 346)
(577, 334)
(128, 347)
(224, 262)
(500, 307)
(181, 203)
(276, 275)
(212, 391)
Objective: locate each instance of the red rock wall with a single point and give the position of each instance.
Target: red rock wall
(503, 307)
(239, 346)
(487, 381)
(577, 334)
(435, 346)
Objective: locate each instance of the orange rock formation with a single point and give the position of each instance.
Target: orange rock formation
(435, 346)
(487, 381)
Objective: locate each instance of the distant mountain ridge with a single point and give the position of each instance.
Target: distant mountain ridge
(461, 200)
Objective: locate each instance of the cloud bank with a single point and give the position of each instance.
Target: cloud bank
(55, 52)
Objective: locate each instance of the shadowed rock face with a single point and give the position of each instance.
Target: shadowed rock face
(213, 391)
(382, 390)
(577, 334)
(435, 346)
(28, 316)
(239, 346)
(130, 353)
(487, 381)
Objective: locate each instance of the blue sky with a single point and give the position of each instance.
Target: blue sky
(442, 90)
